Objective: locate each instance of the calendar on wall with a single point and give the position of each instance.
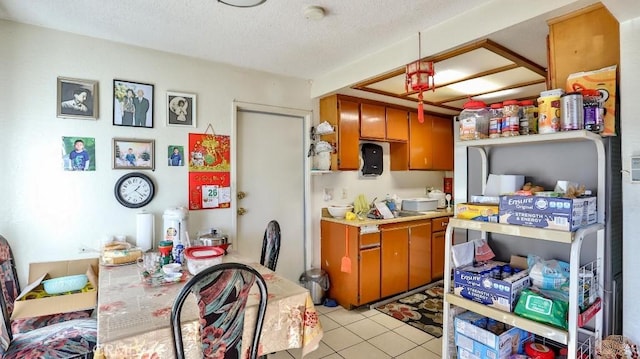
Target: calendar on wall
(209, 170)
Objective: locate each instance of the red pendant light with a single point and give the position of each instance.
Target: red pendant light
(420, 78)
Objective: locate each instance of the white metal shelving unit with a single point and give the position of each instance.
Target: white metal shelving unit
(574, 239)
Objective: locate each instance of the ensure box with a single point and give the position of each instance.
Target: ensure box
(563, 214)
(473, 283)
(486, 344)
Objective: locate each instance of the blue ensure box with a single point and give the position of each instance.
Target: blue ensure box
(486, 344)
(470, 282)
(563, 214)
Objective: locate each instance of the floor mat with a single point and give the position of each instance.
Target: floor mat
(422, 310)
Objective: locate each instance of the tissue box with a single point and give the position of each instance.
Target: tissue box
(500, 184)
(563, 214)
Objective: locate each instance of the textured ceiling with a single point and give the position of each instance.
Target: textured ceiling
(274, 37)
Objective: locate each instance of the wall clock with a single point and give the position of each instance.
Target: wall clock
(134, 190)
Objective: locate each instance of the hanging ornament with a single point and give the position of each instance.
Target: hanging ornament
(419, 77)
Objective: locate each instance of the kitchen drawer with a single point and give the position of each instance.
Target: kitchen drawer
(370, 240)
(439, 224)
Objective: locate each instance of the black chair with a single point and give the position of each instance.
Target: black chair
(221, 293)
(271, 245)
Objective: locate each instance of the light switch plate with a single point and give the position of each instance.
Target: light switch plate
(635, 169)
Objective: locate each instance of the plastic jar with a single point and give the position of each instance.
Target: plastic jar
(495, 120)
(511, 119)
(528, 118)
(549, 111)
(593, 111)
(571, 112)
(474, 121)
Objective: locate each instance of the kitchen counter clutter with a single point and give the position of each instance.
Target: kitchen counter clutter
(388, 256)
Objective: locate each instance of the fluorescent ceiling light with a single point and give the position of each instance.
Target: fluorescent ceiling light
(474, 86)
(242, 3)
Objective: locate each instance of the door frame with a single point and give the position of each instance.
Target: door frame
(305, 116)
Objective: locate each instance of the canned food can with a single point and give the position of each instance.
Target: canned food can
(571, 112)
(549, 111)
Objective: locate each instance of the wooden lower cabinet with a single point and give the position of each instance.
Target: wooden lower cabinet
(369, 269)
(438, 225)
(419, 254)
(394, 268)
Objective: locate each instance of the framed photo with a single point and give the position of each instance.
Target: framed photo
(78, 153)
(133, 153)
(175, 155)
(77, 98)
(181, 109)
(132, 104)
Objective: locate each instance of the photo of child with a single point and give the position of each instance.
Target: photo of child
(175, 155)
(78, 153)
(132, 153)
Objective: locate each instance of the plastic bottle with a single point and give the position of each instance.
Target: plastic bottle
(528, 118)
(511, 119)
(474, 121)
(495, 120)
(593, 111)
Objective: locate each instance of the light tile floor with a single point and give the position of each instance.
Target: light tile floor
(367, 334)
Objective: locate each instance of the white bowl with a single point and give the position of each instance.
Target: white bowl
(338, 211)
(171, 268)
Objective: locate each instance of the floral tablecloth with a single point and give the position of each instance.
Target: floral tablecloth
(133, 317)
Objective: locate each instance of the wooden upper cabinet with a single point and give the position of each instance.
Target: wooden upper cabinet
(397, 124)
(420, 137)
(585, 40)
(372, 121)
(344, 115)
(442, 143)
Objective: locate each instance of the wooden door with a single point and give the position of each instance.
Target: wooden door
(419, 254)
(397, 124)
(442, 143)
(394, 268)
(369, 286)
(372, 121)
(348, 135)
(437, 255)
(420, 153)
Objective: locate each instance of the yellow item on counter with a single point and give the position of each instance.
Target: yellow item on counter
(350, 216)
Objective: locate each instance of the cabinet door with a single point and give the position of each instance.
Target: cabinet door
(348, 135)
(442, 143)
(419, 254)
(420, 155)
(437, 255)
(394, 268)
(372, 121)
(397, 124)
(369, 286)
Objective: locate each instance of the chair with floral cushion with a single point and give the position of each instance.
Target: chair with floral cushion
(221, 293)
(11, 290)
(69, 339)
(271, 245)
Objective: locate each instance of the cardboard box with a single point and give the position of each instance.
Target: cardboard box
(477, 212)
(486, 344)
(563, 214)
(471, 283)
(500, 184)
(39, 306)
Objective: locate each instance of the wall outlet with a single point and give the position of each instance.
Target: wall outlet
(328, 194)
(344, 193)
(85, 249)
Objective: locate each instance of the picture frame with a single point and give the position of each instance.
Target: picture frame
(77, 98)
(133, 104)
(181, 109)
(175, 155)
(78, 153)
(133, 153)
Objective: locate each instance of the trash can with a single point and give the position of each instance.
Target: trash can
(317, 282)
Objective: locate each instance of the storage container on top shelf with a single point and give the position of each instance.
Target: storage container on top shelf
(474, 121)
(495, 120)
(528, 117)
(511, 118)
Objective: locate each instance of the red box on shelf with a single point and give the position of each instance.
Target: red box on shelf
(585, 317)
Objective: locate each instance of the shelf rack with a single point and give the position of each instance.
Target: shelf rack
(573, 239)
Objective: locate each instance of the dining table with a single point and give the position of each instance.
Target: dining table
(134, 315)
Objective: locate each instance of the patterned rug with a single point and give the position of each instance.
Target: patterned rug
(422, 310)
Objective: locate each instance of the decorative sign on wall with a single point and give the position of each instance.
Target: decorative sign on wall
(209, 170)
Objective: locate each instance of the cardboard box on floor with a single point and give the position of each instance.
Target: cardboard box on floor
(60, 303)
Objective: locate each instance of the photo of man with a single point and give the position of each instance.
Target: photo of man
(132, 104)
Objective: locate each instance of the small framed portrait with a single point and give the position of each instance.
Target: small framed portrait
(181, 109)
(78, 153)
(133, 153)
(175, 155)
(77, 98)
(132, 104)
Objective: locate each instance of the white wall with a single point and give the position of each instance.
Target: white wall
(630, 128)
(47, 213)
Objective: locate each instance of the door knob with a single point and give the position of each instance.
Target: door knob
(241, 211)
(241, 195)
